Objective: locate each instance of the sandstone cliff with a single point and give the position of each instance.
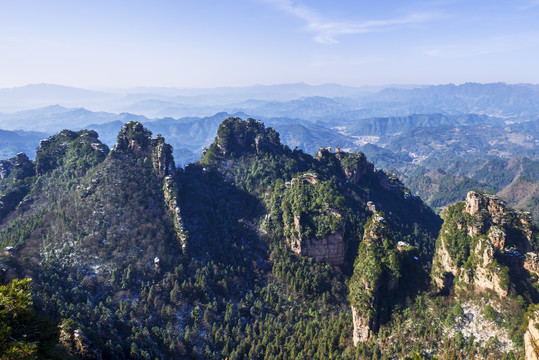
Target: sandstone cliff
(314, 226)
(531, 338)
(481, 243)
(330, 249)
(380, 271)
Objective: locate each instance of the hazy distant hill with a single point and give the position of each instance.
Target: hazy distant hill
(53, 118)
(310, 137)
(415, 131)
(42, 95)
(13, 142)
(327, 102)
(478, 140)
(498, 99)
(397, 124)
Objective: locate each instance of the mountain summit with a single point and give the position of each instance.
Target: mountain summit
(254, 251)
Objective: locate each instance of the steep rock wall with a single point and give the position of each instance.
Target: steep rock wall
(531, 338)
(379, 272)
(476, 238)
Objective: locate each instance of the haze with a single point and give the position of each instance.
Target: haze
(103, 44)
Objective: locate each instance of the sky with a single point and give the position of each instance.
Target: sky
(214, 43)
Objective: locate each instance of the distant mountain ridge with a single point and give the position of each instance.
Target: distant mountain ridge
(412, 130)
(392, 125)
(294, 100)
(13, 142)
(495, 99)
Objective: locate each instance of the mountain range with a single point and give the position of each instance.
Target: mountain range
(254, 251)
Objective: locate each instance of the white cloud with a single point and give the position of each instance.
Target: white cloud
(326, 31)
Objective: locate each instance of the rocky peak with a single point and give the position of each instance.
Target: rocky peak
(493, 217)
(136, 139)
(52, 151)
(355, 165)
(492, 206)
(20, 161)
(380, 267)
(481, 243)
(236, 137)
(375, 230)
(163, 160)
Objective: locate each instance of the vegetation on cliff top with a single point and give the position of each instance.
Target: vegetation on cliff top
(98, 238)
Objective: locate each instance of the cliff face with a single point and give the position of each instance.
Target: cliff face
(481, 243)
(312, 214)
(380, 271)
(330, 249)
(531, 338)
(170, 190)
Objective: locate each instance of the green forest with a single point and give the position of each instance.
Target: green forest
(117, 254)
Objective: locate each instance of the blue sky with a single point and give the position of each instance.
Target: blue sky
(209, 43)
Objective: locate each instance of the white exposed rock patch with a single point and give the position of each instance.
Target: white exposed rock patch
(473, 322)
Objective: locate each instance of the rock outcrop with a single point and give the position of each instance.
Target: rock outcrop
(19, 162)
(330, 249)
(355, 166)
(5, 169)
(314, 225)
(481, 244)
(135, 138)
(531, 263)
(367, 280)
(16, 168)
(71, 146)
(531, 338)
(170, 190)
(380, 270)
(75, 343)
(236, 137)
